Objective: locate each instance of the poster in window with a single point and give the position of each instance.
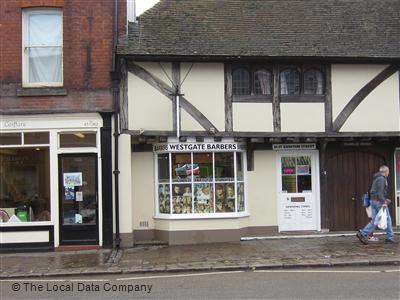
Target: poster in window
(182, 198)
(303, 169)
(69, 193)
(203, 201)
(164, 198)
(73, 179)
(79, 196)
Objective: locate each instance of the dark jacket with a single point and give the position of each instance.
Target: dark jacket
(379, 188)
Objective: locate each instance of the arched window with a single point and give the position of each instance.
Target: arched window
(241, 82)
(313, 82)
(290, 82)
(262, 82)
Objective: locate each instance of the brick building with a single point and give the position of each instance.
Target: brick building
(56, 91)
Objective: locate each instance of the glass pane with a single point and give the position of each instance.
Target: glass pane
(241, 82)
(45, 29)
(240, 196)
(182, 167)
(289, 184)
(224, 167)
(164, 198)
(398, 170)
(290, 82)
(35, 138)
(45, 64)
(77, 139)
(163, 168)
(24, 185)
(182, 198)
(304, 184)
(224, 197)
(313, 82)
(10, 139)
(203, 198)
(262, 82)
(288, 165)
(203, 167)
(239, 166)
(79, 203)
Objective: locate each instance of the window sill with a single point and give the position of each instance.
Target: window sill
(305, 98)
(25, 224)
(202, 216)
(32, 92)
(252, 98)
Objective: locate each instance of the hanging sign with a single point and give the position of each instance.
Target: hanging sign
(198, 147)
(294, 147)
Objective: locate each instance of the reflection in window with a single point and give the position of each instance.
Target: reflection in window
(290, 82)
(24, 184)
(241, 82)
(224, 167)
(313, 82)
(181, 167)
(398, 170)
(78, 139)
(163, 168)
(296, 174)
(36, 138)
(203, 164)
(262, 82)
(10, 139)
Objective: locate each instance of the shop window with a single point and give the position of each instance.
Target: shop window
(42, 48)
(296, 174)
(201, 183)
(24, 184)
(398, 170)
(10, 139)
(36, 138)
(78, 139)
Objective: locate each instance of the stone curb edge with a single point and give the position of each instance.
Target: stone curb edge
(165, 269)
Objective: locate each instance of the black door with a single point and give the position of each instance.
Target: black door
(78, 199)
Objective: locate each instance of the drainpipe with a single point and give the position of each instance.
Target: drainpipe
(115, 88)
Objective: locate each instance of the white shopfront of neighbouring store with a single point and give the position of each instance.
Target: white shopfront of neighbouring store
(50, 168)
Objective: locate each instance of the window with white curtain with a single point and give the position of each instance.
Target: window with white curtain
(42, 48)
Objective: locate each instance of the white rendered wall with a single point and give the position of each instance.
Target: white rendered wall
(380, 111)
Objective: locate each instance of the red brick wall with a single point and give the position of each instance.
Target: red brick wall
(88, 38)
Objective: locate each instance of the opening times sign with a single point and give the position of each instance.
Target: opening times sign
(198, 147)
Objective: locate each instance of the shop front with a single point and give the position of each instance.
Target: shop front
(50, 169)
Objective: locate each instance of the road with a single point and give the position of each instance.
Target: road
(325, 283)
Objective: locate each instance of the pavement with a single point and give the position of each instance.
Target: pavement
(326, 251)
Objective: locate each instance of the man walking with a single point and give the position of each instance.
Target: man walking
(378, 192)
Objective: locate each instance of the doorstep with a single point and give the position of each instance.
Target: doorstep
(305, 235)
(77, 248)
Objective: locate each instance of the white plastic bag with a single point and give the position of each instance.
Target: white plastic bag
(381, 219)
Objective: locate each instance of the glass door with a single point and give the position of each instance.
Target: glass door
(78, 199)
(298, 192)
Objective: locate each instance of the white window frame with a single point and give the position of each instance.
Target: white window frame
(25, 47)
(193, 215)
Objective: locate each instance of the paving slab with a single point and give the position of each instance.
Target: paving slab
(245, 255)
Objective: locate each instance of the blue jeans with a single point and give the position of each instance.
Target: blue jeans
(375, 207)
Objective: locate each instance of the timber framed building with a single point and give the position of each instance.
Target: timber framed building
(247, 118)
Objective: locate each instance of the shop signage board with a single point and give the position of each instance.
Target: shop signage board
(279, 147)
(198, 147)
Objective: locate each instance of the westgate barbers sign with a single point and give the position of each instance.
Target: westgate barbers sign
(199, 147)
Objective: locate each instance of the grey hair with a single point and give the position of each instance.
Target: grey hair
(383, 169)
